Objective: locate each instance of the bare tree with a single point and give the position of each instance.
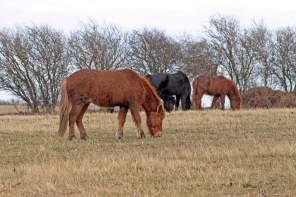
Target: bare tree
(15, 67)
(32, 64)
(284, 58)
(197, 57)
(233, 48)
(50, 63)
(152, 51)
(247, 60)
(97, 47)
(263, 47)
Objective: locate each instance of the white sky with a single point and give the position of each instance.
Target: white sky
(175, 17)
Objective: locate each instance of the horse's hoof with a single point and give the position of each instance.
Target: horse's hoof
(71, 137)
(141, 135)
(119, 136)
(84, 137)
(158, 134)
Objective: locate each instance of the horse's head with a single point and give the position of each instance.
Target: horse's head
(169, 102)
(236, 103)
(153, 106)
(154, 121)
(234, 96)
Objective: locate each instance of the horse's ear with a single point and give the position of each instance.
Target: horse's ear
(159, 106)
(164, 83)
(148, 76)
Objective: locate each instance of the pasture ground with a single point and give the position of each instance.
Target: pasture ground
(13, 109)
(208, 153)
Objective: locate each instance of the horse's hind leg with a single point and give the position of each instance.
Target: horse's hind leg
(79, 123)
(74, 113)
(188, 102)
(214, 102)
(184, 102)
(121, 120)
(137, 119)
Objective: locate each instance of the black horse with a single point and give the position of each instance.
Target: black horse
(176, 84)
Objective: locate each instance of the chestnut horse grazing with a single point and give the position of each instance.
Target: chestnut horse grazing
(217, 86)
(123, 88)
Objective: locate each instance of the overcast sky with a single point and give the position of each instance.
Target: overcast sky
(175, 17)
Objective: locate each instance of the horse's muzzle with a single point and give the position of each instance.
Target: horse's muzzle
(158, 134)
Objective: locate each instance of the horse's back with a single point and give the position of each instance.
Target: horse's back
(157, 79)
(201, 82)
(180, 82)
(86, 77)
(105, 87)
(180, 78)
(89, 72)
(212, 84)
(174, 84)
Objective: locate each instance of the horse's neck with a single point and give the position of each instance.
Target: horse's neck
(151, 100)
(235, 92)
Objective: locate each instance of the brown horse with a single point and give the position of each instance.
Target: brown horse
(123, 88)
(217, 86)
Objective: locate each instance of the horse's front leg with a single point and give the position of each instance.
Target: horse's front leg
(121, 120)
(137, 119)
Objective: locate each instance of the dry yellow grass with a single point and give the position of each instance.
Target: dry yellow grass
(13, 109)
(209, 153)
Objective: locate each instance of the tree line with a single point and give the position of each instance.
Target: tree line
(34, 59)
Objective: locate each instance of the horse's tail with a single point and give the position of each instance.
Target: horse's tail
(65, 107)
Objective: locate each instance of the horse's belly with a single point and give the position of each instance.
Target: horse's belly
(107, 100)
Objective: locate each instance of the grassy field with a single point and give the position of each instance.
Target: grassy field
(209, 153)
(13, 109)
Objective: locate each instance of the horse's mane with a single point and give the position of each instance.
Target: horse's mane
(235, 89)
(148, 85)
